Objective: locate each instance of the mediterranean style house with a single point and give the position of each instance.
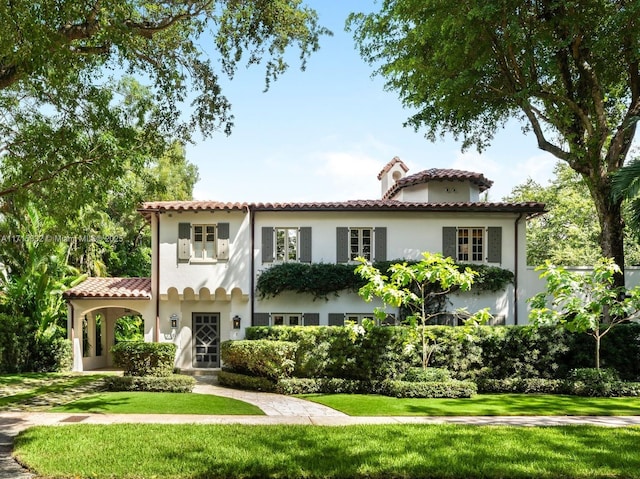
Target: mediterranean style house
(207, 257)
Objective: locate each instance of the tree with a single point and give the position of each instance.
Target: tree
(626, 186)
(567, 234)
(586, 302)
(568, 69)
(416, 286)
(60, 113)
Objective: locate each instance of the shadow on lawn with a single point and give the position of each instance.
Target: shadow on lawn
(525, 405)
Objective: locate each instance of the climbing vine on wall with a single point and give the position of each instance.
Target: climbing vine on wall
(324, 279)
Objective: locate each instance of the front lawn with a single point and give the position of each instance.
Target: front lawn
(33, 389)
(480, 405)
(381, 451)
(158, 403)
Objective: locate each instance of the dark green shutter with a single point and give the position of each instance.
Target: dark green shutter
(223, 230)
(184, 242)
(449, 240)
(311, 319)
(336, 319)
(305, 244)
(380, 245)
(494, 246)
(342, 245)
(260, 319)
(267, 244)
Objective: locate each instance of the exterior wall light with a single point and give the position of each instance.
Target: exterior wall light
(236, 322)
(174, 321)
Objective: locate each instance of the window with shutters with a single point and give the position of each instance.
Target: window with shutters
(360, 243)
(204, 242)
(471, 244)
(286, 319)
(286, 244)
(357, 318)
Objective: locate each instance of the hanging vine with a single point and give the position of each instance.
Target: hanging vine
(324, 279)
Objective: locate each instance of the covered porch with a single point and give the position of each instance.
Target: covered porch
(95, 309)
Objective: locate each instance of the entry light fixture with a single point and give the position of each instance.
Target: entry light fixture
(174, 320)
(236, 321)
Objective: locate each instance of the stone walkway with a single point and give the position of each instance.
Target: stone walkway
(278, 409)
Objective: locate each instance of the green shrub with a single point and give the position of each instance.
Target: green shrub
(17, 342)
(440, 389)
(520, 385)
(592, 382)
(144, 359)
(415, 375)
(243, 381)
(175, 383)
(53, 354)
(270, 359)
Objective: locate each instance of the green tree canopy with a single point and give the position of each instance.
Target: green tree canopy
(568, 69)
(66, 114)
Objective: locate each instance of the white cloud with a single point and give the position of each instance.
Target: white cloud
(348, 175)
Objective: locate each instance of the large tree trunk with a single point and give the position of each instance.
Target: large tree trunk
(611, 224)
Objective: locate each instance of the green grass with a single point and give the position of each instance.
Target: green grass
(380, 451)
(480, 405)
(21, 388)
(158, 403)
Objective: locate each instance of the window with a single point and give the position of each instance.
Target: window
(360, 242)
(370, 243)
(470, 244)
(204, 242)
(286, 244)
(286, 319)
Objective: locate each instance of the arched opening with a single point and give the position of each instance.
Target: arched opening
(129, 328)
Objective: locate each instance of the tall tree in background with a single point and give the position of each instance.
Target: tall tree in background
(567, 234)
(568, 69)
(64, 114)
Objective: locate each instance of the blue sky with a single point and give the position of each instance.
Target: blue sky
(325, 133)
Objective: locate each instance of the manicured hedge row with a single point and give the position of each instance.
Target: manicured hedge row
(400, 389)
(269, 359)
(474, 353)
(243, 381)
(174, 383)
(144, 359)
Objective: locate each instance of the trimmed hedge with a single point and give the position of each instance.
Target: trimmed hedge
(520, 385)
(469, 353)
(175, 383)
(145, 359)
(269, 359)
(243, 381)
(433, 389)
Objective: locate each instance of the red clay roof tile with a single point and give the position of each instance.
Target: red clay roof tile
(99, 288)
(440, 174)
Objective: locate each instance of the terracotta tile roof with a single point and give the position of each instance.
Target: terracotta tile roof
(394, 205)
(390, 165)
(190, 206)
(439, 174)
(99, 288)
(352, 205)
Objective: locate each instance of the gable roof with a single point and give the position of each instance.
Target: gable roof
(391, 164)
(439, 174)
(99, 288)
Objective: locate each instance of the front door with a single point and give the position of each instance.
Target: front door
(206, 340)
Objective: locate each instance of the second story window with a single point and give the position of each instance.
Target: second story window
(360, 242)
(286, 244)
(470, 244)
(204, 241)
